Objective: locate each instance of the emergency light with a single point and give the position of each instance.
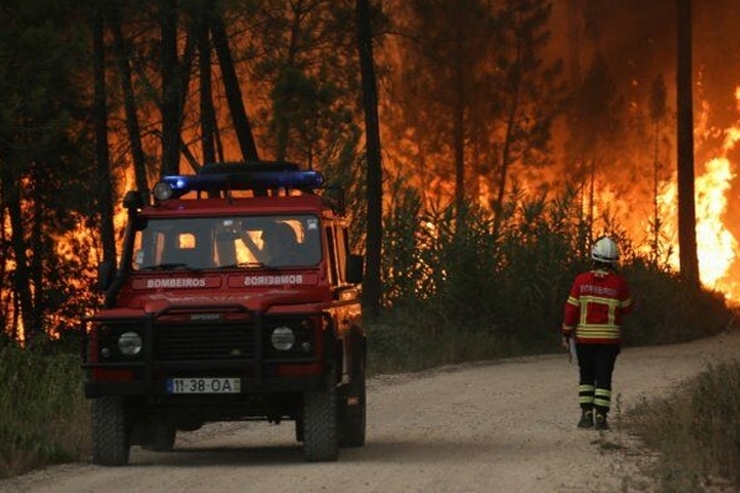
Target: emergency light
(263, 176)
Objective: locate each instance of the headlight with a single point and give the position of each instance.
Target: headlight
(162, 191)
(282, 338)
(130, 343)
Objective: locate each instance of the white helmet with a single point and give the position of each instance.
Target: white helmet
(605, 250)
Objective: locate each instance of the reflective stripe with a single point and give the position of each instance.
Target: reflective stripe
(585, 394)
(598, 332)
(602, 398)
(611, 303)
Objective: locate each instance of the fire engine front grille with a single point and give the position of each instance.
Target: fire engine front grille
(203, 342)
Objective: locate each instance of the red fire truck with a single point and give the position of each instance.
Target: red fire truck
(236, 298)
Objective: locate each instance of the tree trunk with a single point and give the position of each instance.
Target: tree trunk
(100, 112)
(233, 92)
(505, 160)
(170, 92)
(36, 263)
(22, 277)
(686, 207)
(207, 112)
(372, 286)
(129, 100)
(6, 297)
(459, 117)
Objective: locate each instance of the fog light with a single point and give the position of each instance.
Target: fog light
(130, 343)
(282, 338)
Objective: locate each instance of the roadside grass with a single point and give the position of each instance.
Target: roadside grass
(695, 432)
(44, 418)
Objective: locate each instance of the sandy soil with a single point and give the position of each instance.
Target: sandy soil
(505, 426)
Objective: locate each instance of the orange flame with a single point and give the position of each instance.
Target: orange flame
(716, 245)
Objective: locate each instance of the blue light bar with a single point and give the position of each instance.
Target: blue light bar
(245, 180)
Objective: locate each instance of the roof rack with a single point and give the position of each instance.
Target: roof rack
(258, 176)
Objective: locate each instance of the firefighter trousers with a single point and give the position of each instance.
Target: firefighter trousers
(596, 365)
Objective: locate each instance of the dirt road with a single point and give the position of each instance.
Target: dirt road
(505, 426)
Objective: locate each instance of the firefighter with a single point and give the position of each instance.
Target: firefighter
(597, 302)
(281, 244)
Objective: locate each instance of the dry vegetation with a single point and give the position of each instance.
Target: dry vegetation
(696, 432)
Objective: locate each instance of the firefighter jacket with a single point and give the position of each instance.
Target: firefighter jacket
(596, 305)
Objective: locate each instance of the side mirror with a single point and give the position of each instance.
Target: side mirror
(134, 200)
(106, 273)
(355, 269)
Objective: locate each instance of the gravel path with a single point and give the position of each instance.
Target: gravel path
(505, 426)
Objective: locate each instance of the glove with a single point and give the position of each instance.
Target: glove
(565, 342)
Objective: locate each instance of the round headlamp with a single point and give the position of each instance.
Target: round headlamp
(282, 338)
(130, 343)
(162, 191)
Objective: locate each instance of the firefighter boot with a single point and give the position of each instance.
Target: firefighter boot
(587, 419)
(600, 422)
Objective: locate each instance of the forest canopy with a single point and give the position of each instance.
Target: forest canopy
(509, 128)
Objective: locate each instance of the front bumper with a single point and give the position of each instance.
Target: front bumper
(158, 387)
(231, 348)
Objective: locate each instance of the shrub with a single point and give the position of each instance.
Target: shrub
(43, 414)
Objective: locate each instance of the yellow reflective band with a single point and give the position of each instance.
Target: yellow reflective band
(602, 402)
(601, 300)
(583, 332)
(611, 303)
(603, 392)
(589, 336)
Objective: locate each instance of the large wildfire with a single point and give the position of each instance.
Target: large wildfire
(716, 244)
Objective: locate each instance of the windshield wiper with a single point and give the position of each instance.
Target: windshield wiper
(242, 265)
(167, 266)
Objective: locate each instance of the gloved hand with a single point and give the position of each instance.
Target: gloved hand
(565, 342)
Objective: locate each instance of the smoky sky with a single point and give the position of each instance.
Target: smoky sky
(638, 39)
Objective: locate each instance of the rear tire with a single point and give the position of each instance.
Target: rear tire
(164, 438)
(353, 409)
(299, 428)
(320, 427)
(110, 440)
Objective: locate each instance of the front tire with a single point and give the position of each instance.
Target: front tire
(110, 440)
(320, 441)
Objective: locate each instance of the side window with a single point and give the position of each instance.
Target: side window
(331, 248)
(192, 247)
(186, 241)
(342, 252)
(148, 249)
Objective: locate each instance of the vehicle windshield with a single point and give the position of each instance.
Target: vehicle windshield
(228, 242)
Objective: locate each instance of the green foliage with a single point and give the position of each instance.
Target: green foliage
(43, 414)
(454, 292)
(696, 430)
(668, 310)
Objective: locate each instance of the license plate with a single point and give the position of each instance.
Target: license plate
(203, 385)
